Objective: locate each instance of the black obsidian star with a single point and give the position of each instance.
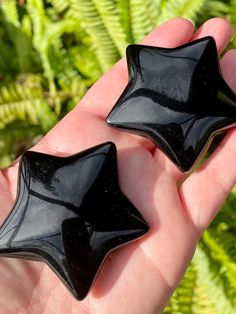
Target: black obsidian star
(177, 98)
(70, 213)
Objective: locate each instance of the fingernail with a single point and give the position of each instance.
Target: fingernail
(191, 21)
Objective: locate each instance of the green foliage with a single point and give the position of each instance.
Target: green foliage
(19, 102)
(52, 51)
(23, 110)
(143, 17)
(209, 285)
(124, 11)
(17, 136)
(86, 12)
(186, 8)
(232, 10)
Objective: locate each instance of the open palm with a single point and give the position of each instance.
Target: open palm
(139, 277)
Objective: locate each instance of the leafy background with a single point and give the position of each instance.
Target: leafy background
(51, 52)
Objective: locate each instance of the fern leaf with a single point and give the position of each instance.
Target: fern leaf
(21, 110)
(59, 5)
(61, 65)
(223, 227)
(26, 26)
(123, 8)
(143, 17)
(179, 8)
(214, 265)
(208, 282)
(84, 60)
(199, 291)
(213, 8)
(55, 59)
(9, 10)
(54, 31)
(224, 267)
(183, 298)
(14, 139)
(17, 35)
(232, 10)
(153, 9)
(87, 15)
(233, 17)
(36, 11)
(216, 8)
(109, 15)
(25, 104)
(8, 64)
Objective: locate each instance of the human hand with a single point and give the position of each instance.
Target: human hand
(139, 277)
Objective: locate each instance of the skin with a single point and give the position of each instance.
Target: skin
(139, 277)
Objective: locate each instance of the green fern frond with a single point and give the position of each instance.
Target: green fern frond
(9, 10)
(214, 265)
(143, 17)
(91, 22)
(213, 8)
(8, 65)
(123, 8)
(199, 291)
(179, 8)
(220, 245)
(36, 11)
(26, 25)
(16, 138)
(153, 8)
(59, 5)
(216, 8)
(232, 10)
(208, 282)
(110, 17)
(19, 35)
(233, 17)
(56, 30)
(84, 60)
(223, 267)
(223, 227)
(62, 66)
(56, 62)
(26, 104)
(56, 54)
(184, 297)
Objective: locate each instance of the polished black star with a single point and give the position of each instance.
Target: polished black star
(177, 98)
(70, 213)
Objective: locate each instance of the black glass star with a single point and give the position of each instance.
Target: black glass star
(175, 97)
(70, 213)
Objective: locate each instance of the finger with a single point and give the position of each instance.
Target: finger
(227, 70)
(105, 92)
(5, 200)
(218, 28)
(205, 191)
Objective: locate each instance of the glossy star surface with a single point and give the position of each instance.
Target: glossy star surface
(70, 213)
(177, 98)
